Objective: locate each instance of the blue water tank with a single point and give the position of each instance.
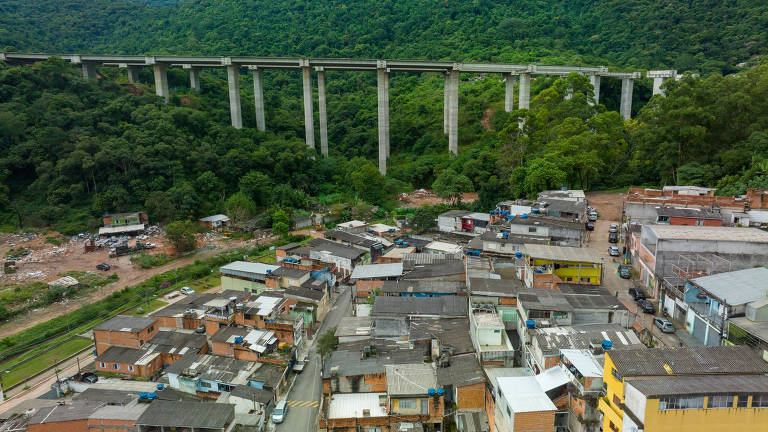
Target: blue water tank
(440, 392)
(518, 254)
(524, 216)
(143, 395)
(535, 211)
(431, 392)
(563, 188)
(270, 271)
(531, 324)
(607, 345)
(152, 396)
(505, 235)
(238, 339)
(160, 387)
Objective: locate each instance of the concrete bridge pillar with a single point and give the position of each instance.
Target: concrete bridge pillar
(569, 90)
(453, 114)
(595, 81)
(525, 91)
(161, 80)
(309, 120)
(382, 80)
(509, 92)
(446, 102)
(133, 74)
(258, 98)
(322, 112)
(233, 81)
(194, 78)
(89, 70)
(625, 107)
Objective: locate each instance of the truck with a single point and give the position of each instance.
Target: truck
(124, 249)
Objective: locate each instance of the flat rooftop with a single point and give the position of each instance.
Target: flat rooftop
(126, 323)
(561, 253)
(707, 233)
(352, 405)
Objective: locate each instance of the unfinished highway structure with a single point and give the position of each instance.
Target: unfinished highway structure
(382, 68)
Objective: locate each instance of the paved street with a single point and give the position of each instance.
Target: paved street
(304, 397)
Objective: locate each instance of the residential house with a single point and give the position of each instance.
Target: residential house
(412, 393)
(501, 293)
(462, 378)
(246, 276)
(696, 404)
(475, 223)
(439, 269)
(262, 308)
(440, 247)
(71, 417)
(344, 412)
(523, 406)
(555, 231)
(451, 221)
(207, 375)
(450, 335)
(396, 254)
(187, 415)
(545, 345)
(252, 406)
(112, 417)
(353, 226)
(363, 370)
(124, 223)
(702, 365)
(695, 216)
(284, 277)
(382, 230)
(503, 244)
(186, 313)
(370, 277)
(270, 377)
(546, 266)
(423, 288)
(343, 258)
(124, 331)
(563, 194)
(713, 299)
(489, 336)
(594, 304)
(162, 350)
(243, 343)
(586, 377)
(660, 249)
(215, 222)
(575, 211)
(373, 245)
(420, 307)
(353, 329)
(312, 304)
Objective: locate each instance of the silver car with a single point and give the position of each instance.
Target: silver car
(613, 251)
(664, 324)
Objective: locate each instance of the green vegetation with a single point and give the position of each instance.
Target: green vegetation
(144, 260)
(20, 371)
(142, 310)
(182, 235)
(327, 342)
(56, 241)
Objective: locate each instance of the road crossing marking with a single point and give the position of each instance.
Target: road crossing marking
(308, 404)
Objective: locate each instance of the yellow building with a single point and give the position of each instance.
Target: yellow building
(685, 389)
(545, 266)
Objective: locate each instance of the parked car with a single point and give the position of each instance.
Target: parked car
(200, 329)
(592, 216)
(103, 267)
(637, 294)
(664, 324)
(278, 414)
(613, 251)
(590, 226)
(88, 377)
(300, 365)
(187, 290)
(613, 228)
(613, 237)
(149, 245)
(624, 271)
(646, 306)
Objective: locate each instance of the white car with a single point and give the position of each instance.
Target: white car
(187, 290)
(613, 250)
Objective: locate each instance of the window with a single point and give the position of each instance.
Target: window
(116, 366)
(531, 229)
(102, 365)
(682, 402)
(720, 401)
(663, 219)
(760, 400)
(584, 279)
(613, 426)
(130, 368)
(425, 407)
(616, 374)
(509, 413)
(204, 384)
(407, 404)
(742, 400)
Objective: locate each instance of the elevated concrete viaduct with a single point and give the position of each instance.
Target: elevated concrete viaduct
(510, 72)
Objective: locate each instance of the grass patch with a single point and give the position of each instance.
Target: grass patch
(142, 310)
(56, 241)
(145, 261)
(41, 362)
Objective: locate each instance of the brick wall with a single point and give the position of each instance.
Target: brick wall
(60, 426)
(471, 396)
(110, 425)
(534, 421)
(365, 287)
(106, 338)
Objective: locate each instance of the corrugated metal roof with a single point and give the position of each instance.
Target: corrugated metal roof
(584, 361)
(524, 394)
(736, 287)
(126, 323)
(371, 271)
(720, 360)
(203, 415)
(700, 385)
(247, 269)
(561, 253)
(445, 306)
(216, 218)
(685, 232)
(410, 379)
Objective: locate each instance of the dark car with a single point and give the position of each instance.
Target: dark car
(590, 226)
(88, 377)
(646, 306)
(624, 271)
(103, 267)
(613, 237)
(636, 294)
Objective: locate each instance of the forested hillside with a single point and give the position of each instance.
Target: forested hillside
(72, 148)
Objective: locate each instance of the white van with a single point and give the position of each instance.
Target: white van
(278, 414)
